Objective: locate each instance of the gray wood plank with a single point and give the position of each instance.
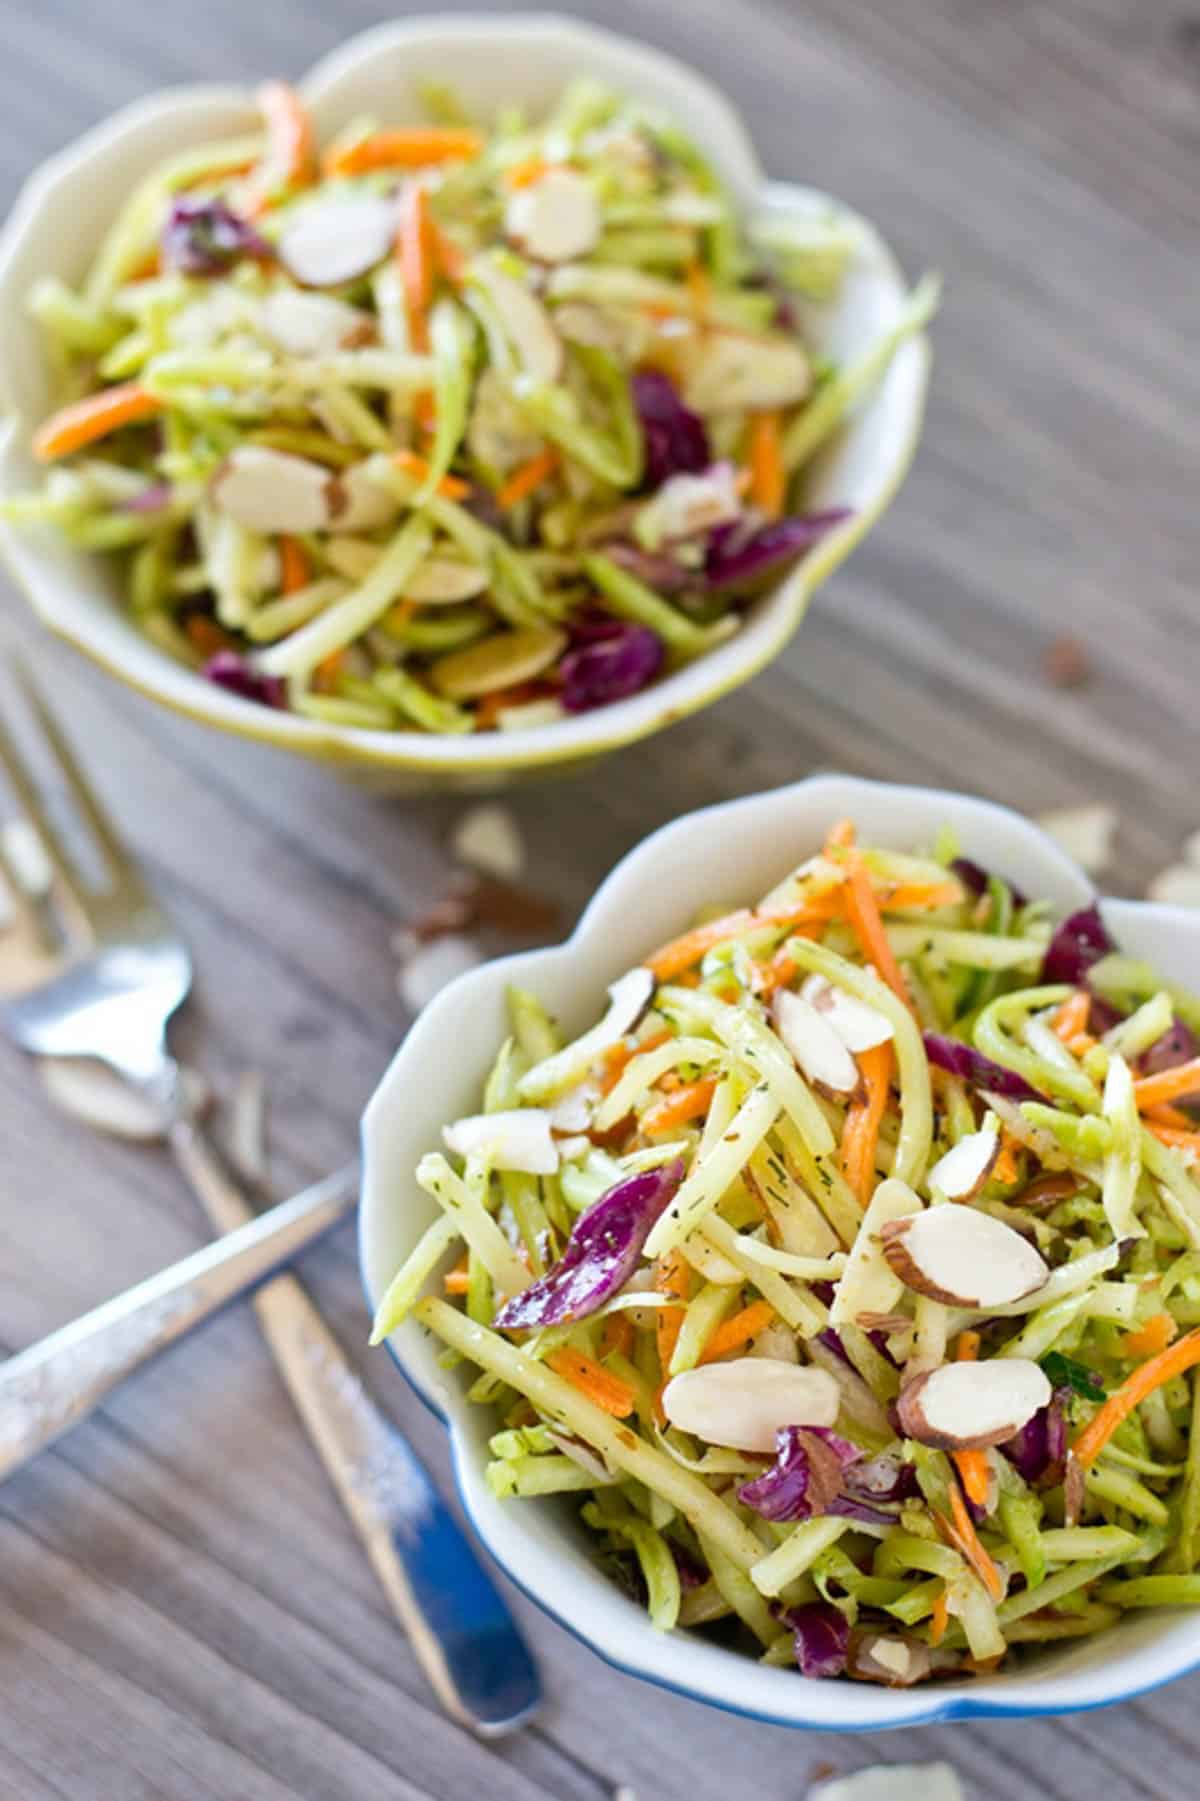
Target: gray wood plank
(184, 1613)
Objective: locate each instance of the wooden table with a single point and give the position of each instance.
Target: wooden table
(183, 1612)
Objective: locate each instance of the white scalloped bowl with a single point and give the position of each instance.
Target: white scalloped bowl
(55, 228)
(726, 854)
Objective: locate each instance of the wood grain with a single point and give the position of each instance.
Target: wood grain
(183, 1612)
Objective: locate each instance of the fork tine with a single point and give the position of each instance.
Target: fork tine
(31, 803)
(84, 795)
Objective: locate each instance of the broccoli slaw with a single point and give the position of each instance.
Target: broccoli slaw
(846, 1274)
(447, 427)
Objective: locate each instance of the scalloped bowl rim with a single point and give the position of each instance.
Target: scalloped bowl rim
(84, 621)
(541, 1556)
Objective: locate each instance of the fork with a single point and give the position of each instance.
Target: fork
(98, 971)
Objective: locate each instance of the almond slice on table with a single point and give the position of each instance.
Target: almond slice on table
(818, 1050)
(970, 1406)
(271, 491)
(336, 240)
(962, 1258)
(744, 1404)
(487, 837)
(1084, 833)
(964, 1169)
(859, 1026)
(519, 1139)
(1178, 886)
(554, 219)
(499, 661)
(312, 324)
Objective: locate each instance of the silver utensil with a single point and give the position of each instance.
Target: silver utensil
(98, 971)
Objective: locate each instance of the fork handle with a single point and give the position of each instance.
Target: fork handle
(54, 1384)
(461, 1632)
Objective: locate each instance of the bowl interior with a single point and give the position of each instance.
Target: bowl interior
(59, 221)
(731, 854)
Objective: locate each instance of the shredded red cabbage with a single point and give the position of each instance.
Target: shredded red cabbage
(601, 1255)
(960, 1059)
(675, 440)
(1039, 1449)
(818, 1472)
(736, 560)
(975, 878)
(657, 568)
(1081, 940)
(610, 667)
(822, 1638)
(232, 672)
(206, 237)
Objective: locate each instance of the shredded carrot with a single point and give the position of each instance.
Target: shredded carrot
(524, 174)
(860, 1134)
(768, 477)
(972, 1547)
(451, 487)
(1072, 1017)
(699, 287)
(205, 635)
(972, 1466)
(738, 1330)
(293, 564)
(1148, 1376)
(451, 261)
(618, 1055)
(84, 421)
(1166, 1115)
(458, 1279)
(913, 897)
(841, 834)
(673, 1276)
(780, 972)
(527, 478)
(692, 1101)
(1168, 1084)
(670, 960)
(1081, 1044)
(326, 673)
(290, 156)
(593, 1380)
(618, 1335)
(862, 910)
(416, 252)
(1176, 1138)
(939, 1619)
(1006, 1169)
(1150, 1338)
(410, 147)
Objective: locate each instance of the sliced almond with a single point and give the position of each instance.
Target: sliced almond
(312, 324)
(777, 1342)
(859, 1026)
(820, 1053)
(744, 1404)
(444, 581)
(487, 837)
(962, 1172)
(527, 324)
(433, 967)
(360, 503)
(499, 661)
(687, 506)
(880, 1657)
(336, 240)
(969, 1406)
(554, 219)
(519, 1139)
(732, 371)
(962, 1257)
(572, 1111)
(1178, 886)
(270, 491)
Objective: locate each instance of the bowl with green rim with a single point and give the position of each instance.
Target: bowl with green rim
(55, 228)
